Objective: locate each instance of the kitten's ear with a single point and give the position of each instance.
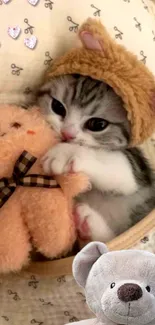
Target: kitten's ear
(90, 42)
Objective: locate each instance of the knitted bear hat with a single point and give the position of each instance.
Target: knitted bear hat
(103, 59)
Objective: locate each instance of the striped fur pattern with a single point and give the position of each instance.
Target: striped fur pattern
(122, 179)
(82, 98)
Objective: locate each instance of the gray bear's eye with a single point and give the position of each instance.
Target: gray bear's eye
(112, 285)
(148, 288)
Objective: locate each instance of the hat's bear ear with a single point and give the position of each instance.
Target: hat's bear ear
(89, 41)
(85, 259)
(94, 36)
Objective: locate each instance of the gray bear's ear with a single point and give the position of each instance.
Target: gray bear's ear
(85, 259)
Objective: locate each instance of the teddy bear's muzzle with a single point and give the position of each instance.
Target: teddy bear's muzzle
(128, 303)
(129, 292)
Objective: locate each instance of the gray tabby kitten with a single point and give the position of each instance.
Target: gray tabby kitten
(90, 119)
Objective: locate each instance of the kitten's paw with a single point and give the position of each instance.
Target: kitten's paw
(58, 160)
(64, 158)
(81, 218)
(91, 225)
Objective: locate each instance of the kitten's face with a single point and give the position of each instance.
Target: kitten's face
(85, 111)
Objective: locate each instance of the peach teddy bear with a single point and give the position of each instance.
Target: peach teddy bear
(32, 216)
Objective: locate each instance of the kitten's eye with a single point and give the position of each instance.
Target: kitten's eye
(58, 108)
(96, 124)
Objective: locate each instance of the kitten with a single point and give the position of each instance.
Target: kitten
(89, 116)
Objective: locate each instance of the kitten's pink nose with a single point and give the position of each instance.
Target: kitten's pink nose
(66, 135)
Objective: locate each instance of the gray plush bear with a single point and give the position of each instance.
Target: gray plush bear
(119, 286)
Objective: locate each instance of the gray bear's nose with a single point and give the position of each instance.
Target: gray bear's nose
(129, 292)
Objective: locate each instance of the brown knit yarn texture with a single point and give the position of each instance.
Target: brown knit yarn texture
(119, 68)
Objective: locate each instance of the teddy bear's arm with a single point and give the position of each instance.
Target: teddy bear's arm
(73, 184)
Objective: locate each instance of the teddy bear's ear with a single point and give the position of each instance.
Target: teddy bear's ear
(85, 259)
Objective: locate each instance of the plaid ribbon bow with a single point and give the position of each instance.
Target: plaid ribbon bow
(19, 178)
